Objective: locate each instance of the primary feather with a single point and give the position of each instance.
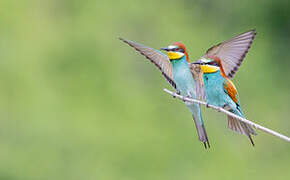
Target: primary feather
(198, 78)
(160, 60)
(232, 52)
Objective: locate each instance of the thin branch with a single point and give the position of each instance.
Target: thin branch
(262, 128)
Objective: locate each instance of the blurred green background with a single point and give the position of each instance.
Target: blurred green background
(76, 103)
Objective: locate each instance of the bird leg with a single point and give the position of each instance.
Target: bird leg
(227, 107)
(188, 96)
(207, 105)
(177, 92)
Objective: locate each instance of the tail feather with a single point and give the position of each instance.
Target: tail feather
(199, 124)
(241, 127)
(201, 132)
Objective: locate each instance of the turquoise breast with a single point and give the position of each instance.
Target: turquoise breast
(215, 93)
(183, 77)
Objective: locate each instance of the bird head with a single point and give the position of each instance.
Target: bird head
(176, 51)
(208, 65)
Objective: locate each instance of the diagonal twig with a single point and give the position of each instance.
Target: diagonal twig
(257, 126)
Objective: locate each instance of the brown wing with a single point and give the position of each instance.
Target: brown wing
(156, 57)
(231, 90)
(197, 74)
(232, 52)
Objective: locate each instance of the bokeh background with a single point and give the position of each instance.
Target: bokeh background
(76, 103)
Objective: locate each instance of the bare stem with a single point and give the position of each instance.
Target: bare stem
(219, 109)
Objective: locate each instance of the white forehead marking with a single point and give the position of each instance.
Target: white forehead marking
(205, 60)
(172, 47)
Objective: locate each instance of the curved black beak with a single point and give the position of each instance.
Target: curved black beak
(165, 49)
(198, 62)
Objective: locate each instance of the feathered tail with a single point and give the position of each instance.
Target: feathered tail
(201, 132)
(197, 118)
(241, 127)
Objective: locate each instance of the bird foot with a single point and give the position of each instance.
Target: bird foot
(178, 93)
(188, 96)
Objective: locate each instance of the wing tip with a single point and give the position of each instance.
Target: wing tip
(135, 46)
(252, 31)
(252, 141)
(254, 34)
(122, 39)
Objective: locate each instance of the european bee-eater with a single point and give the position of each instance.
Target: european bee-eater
(216, 67)
(220, 63)
(179, 73)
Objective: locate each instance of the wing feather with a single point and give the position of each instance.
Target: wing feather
(197, 74)
(160, 60)
(231, 90)
(232, 52)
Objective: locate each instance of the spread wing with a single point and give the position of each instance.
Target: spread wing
(197, 74)
(232, 52)
(160, 60)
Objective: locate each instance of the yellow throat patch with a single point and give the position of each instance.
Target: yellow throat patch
(174, 55)
(209, 68)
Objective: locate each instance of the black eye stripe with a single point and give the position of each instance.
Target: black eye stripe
(179, 50)
(213, 63)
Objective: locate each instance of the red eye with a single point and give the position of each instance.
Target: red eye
(214, 63)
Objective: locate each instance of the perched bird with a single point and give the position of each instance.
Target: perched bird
(219, 64)
(181, 75)
(208, 77)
